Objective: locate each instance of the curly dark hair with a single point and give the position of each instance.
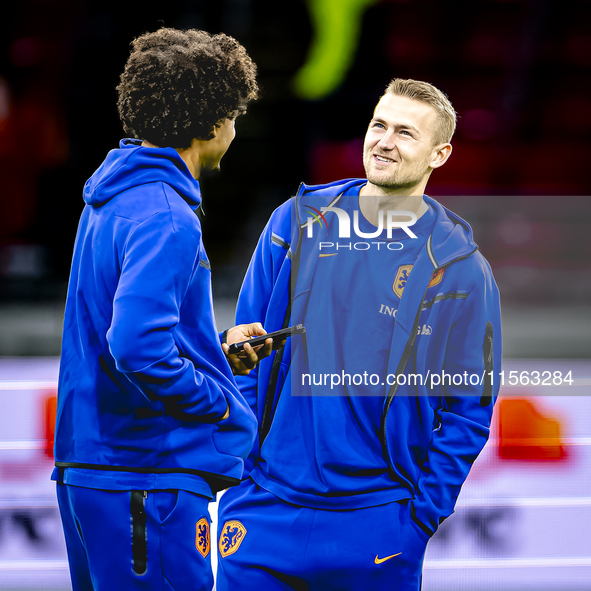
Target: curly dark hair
(179, 85)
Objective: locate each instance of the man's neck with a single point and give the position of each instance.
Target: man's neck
(374, 199)
(189, 155)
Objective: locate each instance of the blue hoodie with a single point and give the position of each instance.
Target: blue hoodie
(143, 379)
(425, 437)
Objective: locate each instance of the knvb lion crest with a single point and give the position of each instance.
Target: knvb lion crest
(232, 535)
(401, 279)
(202, 539)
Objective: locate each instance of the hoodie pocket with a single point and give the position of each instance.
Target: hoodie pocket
(423, 530)
(234, 436)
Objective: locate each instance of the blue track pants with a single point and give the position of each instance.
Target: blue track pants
(131, 540)
(268, 544)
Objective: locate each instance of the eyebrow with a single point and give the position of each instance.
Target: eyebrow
(397, 126)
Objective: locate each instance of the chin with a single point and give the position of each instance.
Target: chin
(384, 182)
(209, 172)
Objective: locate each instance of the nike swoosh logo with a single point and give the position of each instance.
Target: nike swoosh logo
(330, 254)
(380, 560)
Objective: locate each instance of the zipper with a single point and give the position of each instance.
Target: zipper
(139, 537)
(267, 418)
(268, 412)
(394, 388)
(406, 358)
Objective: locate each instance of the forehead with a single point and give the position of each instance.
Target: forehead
(401, 110)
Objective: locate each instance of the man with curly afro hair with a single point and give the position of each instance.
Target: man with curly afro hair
(179, 86)
(150, 422)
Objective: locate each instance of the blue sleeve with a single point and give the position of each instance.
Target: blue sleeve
(253, 302)
(474, 346)
(223, 336)
(158, 266)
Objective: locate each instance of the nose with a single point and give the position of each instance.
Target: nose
(387, 141)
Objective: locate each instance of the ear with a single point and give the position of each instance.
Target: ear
(440, 155)
(215, 131)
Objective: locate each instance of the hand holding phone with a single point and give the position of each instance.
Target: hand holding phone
(278, 337)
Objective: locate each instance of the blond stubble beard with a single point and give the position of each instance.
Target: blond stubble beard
(393, 182)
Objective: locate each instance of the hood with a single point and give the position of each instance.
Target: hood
(452, 236)
(131, 165)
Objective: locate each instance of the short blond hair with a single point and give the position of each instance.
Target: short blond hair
(427, 93)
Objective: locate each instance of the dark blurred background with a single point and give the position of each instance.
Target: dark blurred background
(517, 72)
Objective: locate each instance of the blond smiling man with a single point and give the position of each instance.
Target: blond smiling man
(368, 427)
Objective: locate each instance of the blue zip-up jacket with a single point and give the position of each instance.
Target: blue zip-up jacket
(143, 379)
(430, 436)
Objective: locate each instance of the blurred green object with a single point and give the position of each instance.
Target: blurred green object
(336, 25)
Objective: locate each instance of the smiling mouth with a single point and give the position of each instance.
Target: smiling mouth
(383, 159)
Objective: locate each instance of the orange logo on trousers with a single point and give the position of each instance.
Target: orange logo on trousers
(231, 537)
(202, 539)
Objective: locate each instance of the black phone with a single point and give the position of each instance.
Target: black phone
(278, 336)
